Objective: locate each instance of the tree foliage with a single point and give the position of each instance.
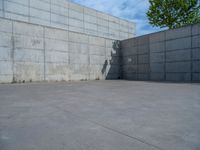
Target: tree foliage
(173, 13)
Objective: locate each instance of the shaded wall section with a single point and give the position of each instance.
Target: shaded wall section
(172, 55)
(30, 52)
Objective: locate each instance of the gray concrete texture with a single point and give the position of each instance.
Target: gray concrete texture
(67, 15)
(172, 55)
(96, 115)
(34, 53)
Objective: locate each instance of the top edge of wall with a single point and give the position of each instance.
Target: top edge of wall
(70, 1)
(162, 31)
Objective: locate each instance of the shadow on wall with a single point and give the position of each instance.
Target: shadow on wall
(111, 67)
(171, 55)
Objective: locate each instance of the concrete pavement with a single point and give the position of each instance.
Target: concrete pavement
(100, 115)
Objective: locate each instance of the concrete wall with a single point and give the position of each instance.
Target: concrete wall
(172, 55)
(67, 15)
(36, 52)
(30, 52)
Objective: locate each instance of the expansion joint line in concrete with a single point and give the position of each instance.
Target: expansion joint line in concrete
(149, 66)
(89, 64)
(50, 12)
(165, 56)
(137, 63)
(29, 14)
(191, 55)
(3, 7)
(13, 53)
(44, 46)
(68, 62)
(111, 129)
(105, 54)
(120, 61)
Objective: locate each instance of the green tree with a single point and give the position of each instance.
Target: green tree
(173, 13)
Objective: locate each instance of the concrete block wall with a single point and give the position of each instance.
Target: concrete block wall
(178, 54)
(157, 56)
(30, 52)
(172, 55)
(67, 15)
(135, 58)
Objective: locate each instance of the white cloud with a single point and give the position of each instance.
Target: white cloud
(133, 10)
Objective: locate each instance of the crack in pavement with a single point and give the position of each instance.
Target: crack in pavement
(111, 129)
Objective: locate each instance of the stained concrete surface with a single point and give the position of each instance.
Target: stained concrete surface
(100, 115)
(29, 52)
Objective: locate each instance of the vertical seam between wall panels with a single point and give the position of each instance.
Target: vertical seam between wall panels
(44, 46)
(105, 51)
(13, 53)
(68, 18)
(106, 58)
(149, 71)
(69, 67)
(89, 57)
(97, 23)
(84, 21)
(191, 56)
(165, 78)
(120, 61)
(29, 14)
(50, 11)
(3, 8)
(137, 54)
(109, 34)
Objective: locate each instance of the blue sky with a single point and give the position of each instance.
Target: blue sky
(134, 10)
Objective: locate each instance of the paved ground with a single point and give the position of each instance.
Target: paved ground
(100, 115)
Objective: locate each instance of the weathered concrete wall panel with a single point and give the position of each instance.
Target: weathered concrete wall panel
(135, 58)
(6, 51)
(67, 15)
(34, 53)
(195, 52)
(171, 55)
(28, 47)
